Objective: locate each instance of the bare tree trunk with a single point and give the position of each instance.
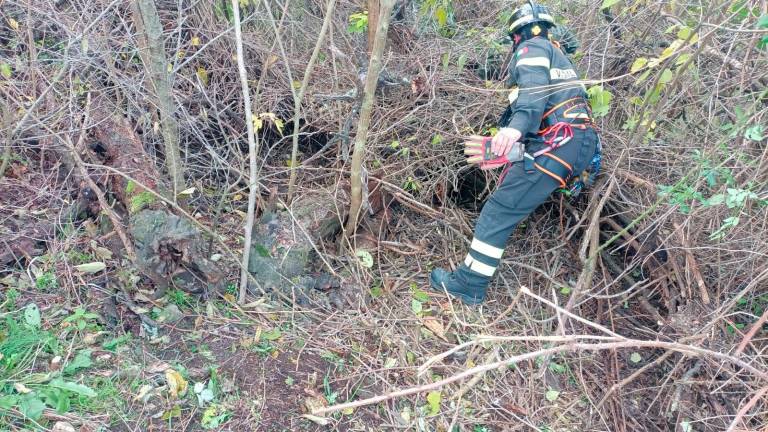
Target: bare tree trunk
(253, 151)
(373, 22)
(5, 124)
(298, 97)
(157, 66)
(369, 93)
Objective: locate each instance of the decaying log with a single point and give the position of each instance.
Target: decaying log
(169, 248)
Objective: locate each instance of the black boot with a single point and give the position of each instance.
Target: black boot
(469, 293)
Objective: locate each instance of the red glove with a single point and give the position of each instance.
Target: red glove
(504, 140)
(478, 151)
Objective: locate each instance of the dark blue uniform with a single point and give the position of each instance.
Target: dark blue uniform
(551, 105)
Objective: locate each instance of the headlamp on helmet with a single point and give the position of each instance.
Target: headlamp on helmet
(529, 13)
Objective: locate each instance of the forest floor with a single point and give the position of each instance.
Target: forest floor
(96, 361)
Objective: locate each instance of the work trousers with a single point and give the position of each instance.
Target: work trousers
(517, 196)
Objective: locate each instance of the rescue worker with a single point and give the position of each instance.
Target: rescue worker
(548, 126)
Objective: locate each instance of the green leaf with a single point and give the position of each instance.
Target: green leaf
(635, 358)
(433, 401)
(565, 290)
(172, 413)
(599, 100)
(365, 257)
(608, 3)
(644, 76)
(420, 295)
(437, 139)
(214, 416)
(272, 335)
(552, 395)
(446, 61)
(31, 407)
(682, 59)
(8, 401)
(714, 200)
(377, 292)
(32, 316)
(461, 62)
(755, 133)
(763, 22)
(73, 387)
(81, 361)
(5, 70)
(686, 32)
(57, 399)
(557, 368)
(416, 306)
(638, 64)
(442, 16)
(92, 267)
(666, 76)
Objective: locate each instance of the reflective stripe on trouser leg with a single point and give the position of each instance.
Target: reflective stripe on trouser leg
(486, 249)
(479, 267)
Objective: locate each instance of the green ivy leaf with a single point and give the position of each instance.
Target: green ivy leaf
(5, 70)
(638, 64)
(552, 395)
(81, 361)
(73, 387)
(416, 306)
(714, 200)
(762, 22)
(272, 335)
(461, 62)
(599, 100)
(442, 16)
(32, 316)
(433, 401)
(666, 76)
(31, 407)
(365, 257)
(420, 295)
(755, 133)
(8, 401)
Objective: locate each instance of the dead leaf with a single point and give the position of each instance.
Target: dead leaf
(177, 385)
(21, 388)
(63, 427)
(144, 393)
(315, 403)
(435, 326)
(101, 253)
(55, 363)
(91, 267)
(322, 421)
(157, 367)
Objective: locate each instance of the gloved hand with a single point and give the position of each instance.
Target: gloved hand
(478, 151)
(504, 140)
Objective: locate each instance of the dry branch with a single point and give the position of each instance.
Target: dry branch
(253, 150)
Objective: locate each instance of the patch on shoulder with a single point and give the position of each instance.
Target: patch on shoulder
(521, 52)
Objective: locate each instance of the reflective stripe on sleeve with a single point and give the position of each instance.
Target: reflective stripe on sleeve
(533, 61)
(486, 249)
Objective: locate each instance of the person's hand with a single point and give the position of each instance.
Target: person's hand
(504, 139)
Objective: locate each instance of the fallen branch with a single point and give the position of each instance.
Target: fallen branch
(745, 409)
(752, 332)
(572, 347)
